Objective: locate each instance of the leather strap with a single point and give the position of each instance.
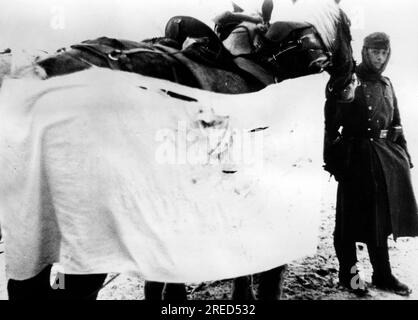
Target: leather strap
(255, 69)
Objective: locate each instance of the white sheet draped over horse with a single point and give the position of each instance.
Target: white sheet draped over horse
(93, 176)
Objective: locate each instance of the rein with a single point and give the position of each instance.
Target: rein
(307, 41)
(117, 54)
(113, 56)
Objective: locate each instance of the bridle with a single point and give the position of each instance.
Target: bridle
(309, 41)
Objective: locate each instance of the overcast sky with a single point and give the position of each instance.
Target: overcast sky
(52, 23)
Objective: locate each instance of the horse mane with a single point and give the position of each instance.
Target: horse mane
(324, 15)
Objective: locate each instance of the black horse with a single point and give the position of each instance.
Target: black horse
(245, 54)
(257, 54)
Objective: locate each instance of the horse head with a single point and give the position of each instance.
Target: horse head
(293, 49)
(318, 41)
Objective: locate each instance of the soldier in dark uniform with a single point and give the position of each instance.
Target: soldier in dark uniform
(365, 149)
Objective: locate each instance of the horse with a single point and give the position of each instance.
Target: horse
(270, 53)
(256, 53)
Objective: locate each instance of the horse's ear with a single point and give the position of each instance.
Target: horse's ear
(236, 7)
(266, 10)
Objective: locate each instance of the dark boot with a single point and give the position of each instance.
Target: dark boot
(354, 282)
(347, 258)
(271, 284)
(382, 276)
(348, 274)
(175, 292)
(242, 289)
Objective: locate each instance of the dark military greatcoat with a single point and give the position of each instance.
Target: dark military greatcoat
(365, 148)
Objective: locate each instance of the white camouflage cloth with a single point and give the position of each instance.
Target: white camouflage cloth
(101, 175)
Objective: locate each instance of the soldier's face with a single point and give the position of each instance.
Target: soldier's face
(378, 57)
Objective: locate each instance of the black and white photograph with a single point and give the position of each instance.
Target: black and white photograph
(188, 150)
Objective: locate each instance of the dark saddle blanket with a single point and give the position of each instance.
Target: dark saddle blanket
(116, 53)
(204, 64)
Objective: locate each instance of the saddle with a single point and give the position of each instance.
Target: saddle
(226, 47)
(197, 58)
(114, 52)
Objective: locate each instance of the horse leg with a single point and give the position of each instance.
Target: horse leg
(79, 287)
(242, 288)
(175, 292)
(36, 288)
(71, 287)
(271, 283)
(153, 290)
